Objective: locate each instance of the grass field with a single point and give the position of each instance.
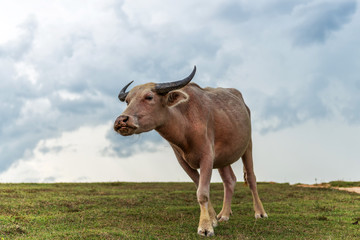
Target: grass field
(170, 211)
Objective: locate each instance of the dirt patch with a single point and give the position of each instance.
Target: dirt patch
(348, 189)
(314, 185)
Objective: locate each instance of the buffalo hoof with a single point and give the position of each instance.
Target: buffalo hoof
(205, 228)
(214, 222)
(206, 232)
(223, 218)
(260, 215)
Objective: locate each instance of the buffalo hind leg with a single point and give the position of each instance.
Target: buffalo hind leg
(229, 182)
(251, 180)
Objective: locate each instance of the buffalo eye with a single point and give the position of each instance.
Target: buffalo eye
(149, 97)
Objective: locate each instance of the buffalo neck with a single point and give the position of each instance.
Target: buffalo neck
(174, 128)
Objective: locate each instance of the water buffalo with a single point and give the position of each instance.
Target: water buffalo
(206, 127)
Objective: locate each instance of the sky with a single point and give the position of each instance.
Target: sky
(62, 64)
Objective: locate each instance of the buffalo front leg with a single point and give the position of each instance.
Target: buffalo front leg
(229, 182)
(207, 213)
(251, 180)
(195, 176)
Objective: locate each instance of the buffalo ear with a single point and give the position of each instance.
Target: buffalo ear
(175, 97)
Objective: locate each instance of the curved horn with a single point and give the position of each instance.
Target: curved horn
(163, 88)
(123, 94)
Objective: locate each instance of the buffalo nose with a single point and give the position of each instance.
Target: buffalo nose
(123, 119)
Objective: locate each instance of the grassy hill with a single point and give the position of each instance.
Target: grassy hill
(170, 211)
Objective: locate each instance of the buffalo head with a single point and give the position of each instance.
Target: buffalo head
(148, 105)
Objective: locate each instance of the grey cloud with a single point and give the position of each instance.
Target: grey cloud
(81, 106)
(276, 7)
(23, 123)
(49, 180)
(343, 99)
(234, 12)
(18, 142)
(319, 99)
(318, 20)
(55, 149)
(12, 143)
(159, 56)
(78, 66)
(285, 109)
(126, 146)
(21, 132)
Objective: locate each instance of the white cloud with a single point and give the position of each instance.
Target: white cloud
(28, 71)
(66, 95)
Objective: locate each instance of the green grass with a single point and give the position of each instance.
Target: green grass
(170, 211)
(344, 184)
